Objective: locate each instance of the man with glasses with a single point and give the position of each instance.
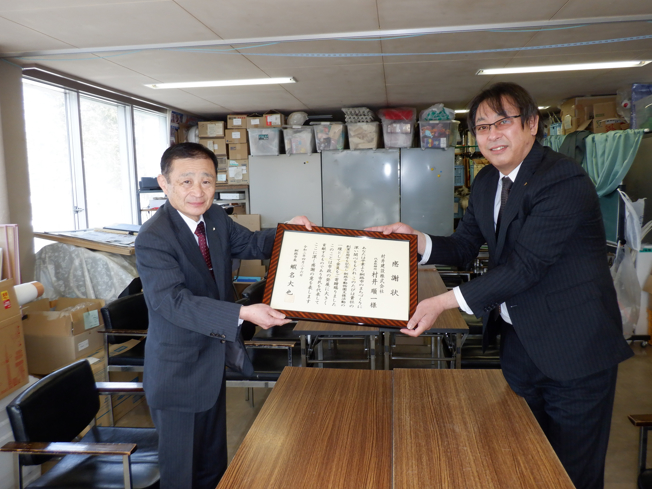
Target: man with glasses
(548, 291)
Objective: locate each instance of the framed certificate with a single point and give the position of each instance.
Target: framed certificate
(343, 276)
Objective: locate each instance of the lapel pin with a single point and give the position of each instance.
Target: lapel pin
(214, 228)
(523, 185)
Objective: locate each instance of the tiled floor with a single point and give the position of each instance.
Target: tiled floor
(633, 396)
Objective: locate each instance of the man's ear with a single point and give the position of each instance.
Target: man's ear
(163, 183)
(533, 123)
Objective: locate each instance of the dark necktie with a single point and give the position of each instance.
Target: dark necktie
(203, 246)
(504, 193)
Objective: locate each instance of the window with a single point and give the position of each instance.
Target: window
(85, 153)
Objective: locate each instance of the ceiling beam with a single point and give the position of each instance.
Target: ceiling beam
(341, 35)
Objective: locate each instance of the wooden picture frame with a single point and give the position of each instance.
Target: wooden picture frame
(343, 276)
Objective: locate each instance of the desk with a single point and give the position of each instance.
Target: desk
(91, 244)
(319, 428)
(306, 330)
(398, 429)
(449, 322)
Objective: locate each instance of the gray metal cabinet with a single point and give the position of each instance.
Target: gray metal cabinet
(427, 189)
(361, 188)
(284, 186)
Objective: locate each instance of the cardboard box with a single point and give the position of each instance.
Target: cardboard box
(576, 113)
(236, 136)
(609, 124)
(222, 163)
(217, 145)
(250, 221)
(238, 173)
(235, 121)
(13, 357)
(238, 151)
(605, 111)
(274, 120)
(221, 176)
(211, 129)
(55, 338)
(255, 121)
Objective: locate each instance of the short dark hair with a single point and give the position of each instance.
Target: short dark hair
(512, 92)
(185, 150)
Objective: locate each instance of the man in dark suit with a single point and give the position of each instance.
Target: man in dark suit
(548, 291)
(184, 255)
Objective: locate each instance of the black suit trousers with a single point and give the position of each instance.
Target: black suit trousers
(192, 446)
(575, 415)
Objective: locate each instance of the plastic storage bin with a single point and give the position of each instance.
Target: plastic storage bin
(299, 140)
(459, 176)
(265, 142)
(329, 136)
(398, 134)
(363, 135)
(437, 134)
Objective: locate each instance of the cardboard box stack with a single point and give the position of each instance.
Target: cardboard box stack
(211, 135)
(57, 337)
(597, 114)
(236, 137)
(13, 358)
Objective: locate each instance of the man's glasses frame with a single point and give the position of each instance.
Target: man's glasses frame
(500, 124)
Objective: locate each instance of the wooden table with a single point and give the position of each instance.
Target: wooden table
(467, 428)
(319, 428)
(430, 284)
(398, 429)
(86, 243)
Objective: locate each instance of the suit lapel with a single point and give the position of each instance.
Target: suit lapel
(215, 245)
(190, 246)
(485, 218)
(517, 193)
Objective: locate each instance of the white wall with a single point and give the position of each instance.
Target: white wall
(15, 207)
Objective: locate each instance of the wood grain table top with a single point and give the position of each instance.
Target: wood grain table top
(327, 428)
(430, 284)
(467, 428)
(406, 428)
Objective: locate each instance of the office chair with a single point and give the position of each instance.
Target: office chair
(263, 352)
(124, 319)
(644, 422)
(55, 410)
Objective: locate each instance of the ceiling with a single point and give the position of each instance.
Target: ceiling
(125, 44)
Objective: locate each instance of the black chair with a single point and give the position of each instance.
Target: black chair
(125, 318)
(644, 422)
(268, 355)
(55, 410)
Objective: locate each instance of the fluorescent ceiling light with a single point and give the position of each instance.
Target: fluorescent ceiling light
(224, 83)
(464, 111)
(574, 67)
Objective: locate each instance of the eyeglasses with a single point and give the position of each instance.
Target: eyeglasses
(500, 124)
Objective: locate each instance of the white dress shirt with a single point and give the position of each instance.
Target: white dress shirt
(193, 227)
(458, 293)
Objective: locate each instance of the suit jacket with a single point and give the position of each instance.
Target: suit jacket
(548, 263)
(193, 322)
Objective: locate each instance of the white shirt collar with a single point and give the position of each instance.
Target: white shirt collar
(191, 224)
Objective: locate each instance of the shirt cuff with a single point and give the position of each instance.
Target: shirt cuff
(426, 254)
(460, 300)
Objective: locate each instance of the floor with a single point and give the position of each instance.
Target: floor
(633, 396)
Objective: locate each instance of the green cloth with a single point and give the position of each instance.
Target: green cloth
(609, 157)
(554, 142)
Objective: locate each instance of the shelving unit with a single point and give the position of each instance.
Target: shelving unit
(146, 212)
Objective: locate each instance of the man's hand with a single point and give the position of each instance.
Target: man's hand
(399, 227)
(302, 221)
(427, 313)
(263, 315)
